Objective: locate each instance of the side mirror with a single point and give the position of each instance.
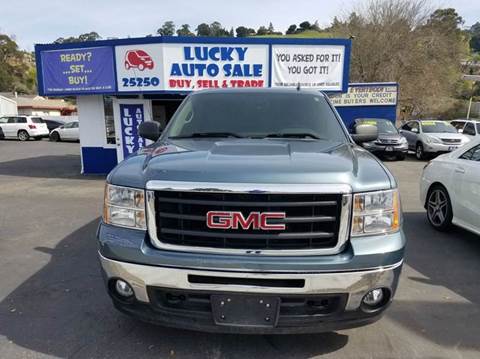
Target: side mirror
(365, 133)
(150, 130)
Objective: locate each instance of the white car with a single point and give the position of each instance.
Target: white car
(23, 127)
(469, 128)
(428, 137)
(450, 189)
(67, 132)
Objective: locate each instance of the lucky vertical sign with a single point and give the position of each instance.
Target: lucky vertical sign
(131, 116)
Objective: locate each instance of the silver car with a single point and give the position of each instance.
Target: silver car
(429, 137)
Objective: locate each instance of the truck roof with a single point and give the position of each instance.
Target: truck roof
(260, 91)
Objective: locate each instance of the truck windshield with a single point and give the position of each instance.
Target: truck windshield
(257, 115)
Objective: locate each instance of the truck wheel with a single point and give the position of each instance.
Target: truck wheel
(419, 152)
(439, 208)
(23, 135)
(55, 137)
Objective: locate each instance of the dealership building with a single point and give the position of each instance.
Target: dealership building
(121, 83)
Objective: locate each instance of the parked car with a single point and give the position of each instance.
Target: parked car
(138, 59)
(389, 143)
(23, 127)
(429, 137)
(253, 212)
(53, 124)
(468, 127)
(450, 189)
(66, 132)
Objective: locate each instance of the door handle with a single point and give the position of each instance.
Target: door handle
(460, 170)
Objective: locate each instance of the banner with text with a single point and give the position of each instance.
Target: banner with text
(190, 67)
(140, 68)
(131, 116)
(308, 66)
(86, 70)
(372, 95)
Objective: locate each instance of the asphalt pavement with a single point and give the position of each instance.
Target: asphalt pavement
(53, 304)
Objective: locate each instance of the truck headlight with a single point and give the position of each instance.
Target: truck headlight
(376, 213)
(124, 206)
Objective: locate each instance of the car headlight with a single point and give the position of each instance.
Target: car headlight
(124, 206)
(429, 139)
(376, 213)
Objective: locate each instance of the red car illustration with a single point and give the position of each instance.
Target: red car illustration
(138, 59)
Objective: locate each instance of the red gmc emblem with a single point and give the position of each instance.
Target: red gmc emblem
(236, 220)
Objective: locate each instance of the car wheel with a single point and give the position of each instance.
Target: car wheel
(419, 152)
(23, 135)
(55, 137)
(127, 66)
(439, 208)
(141, 67)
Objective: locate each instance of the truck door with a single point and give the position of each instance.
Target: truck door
(128, 114)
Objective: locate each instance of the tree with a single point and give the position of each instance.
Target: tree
(243, 31)
(475, 37)
(217, 30)
(167, 29)
(184, 30)
(203, 30)
(89, 36)
(403, 41)
(305, 26)
(291, 29)
(262, 30)
(17, 67)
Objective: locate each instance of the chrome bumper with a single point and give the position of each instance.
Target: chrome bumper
(356, 283)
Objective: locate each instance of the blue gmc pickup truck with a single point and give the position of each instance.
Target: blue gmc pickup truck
(254, 211)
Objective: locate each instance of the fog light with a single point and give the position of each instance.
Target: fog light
(374, 297)
(123, 288)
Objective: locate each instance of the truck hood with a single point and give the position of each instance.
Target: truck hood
(276, 161)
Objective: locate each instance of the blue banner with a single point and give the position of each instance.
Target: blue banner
(131, 116)
(86, 70)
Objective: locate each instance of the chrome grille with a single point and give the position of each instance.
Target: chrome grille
(315, 222)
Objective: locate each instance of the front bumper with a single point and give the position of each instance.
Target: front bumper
(382, 149)
(347, 287)
(433, 147)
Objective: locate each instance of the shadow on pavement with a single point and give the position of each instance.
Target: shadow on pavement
(450, 260)
(63, 310)
(54, 166)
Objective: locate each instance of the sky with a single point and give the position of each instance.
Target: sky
(43, 21)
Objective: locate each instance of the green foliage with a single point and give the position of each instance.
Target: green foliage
(184, 30)
(17, 68)
(89, 36)
(243, 31)
(167, 29)
(475, 37)
(215, 29)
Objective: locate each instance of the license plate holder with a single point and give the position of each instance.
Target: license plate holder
(452, 148)
(245, 310)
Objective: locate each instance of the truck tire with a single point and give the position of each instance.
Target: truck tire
(439, 208)
(23, 135)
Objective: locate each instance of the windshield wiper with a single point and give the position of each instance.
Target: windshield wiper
(208, 134)
(293, 135)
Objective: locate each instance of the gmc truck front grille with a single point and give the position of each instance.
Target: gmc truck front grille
(312, 221)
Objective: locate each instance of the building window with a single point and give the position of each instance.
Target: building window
(109, 122)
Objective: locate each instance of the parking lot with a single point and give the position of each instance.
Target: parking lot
(53, 304)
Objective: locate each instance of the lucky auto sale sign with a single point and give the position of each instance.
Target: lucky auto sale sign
(190, 67)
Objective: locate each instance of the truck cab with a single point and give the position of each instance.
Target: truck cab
(253, 211)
